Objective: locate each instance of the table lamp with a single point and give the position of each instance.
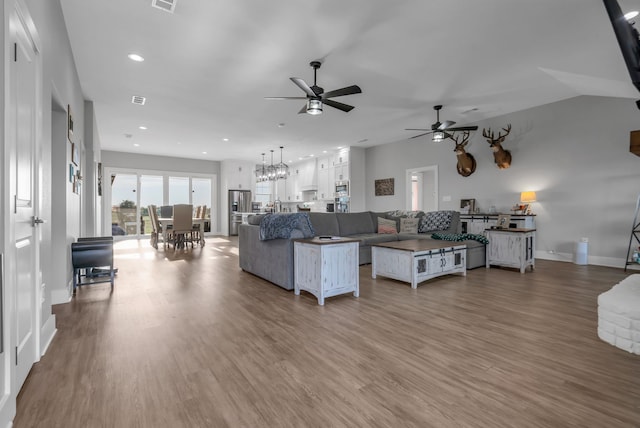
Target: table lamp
(526, 198)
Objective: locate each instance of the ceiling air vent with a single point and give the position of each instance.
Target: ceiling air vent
(166, 5)
(137, 99)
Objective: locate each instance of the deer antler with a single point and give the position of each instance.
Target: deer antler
(465, 138)
(489, 134)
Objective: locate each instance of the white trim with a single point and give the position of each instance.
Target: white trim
(614, 262)
(409, 173)
(47, 334)
(61, 296)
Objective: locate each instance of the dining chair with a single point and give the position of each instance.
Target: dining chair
(166, 211)
(182, 231)
(201, 213)
(156, 227)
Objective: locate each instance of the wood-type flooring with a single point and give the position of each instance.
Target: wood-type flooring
(187, 339)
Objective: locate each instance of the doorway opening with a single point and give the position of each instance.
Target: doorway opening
(422, 188)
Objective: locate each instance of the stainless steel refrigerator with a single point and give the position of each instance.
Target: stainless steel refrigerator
(239, 202)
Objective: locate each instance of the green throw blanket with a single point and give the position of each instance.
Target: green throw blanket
(460, 237)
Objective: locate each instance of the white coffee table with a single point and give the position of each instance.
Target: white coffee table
(418, 260)
(326, 268)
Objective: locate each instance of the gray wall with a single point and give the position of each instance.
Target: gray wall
(60, 85)
(573, 153)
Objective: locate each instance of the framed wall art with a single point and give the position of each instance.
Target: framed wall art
(75, 154)
(69, 124)
(384, 187)
(467, 206)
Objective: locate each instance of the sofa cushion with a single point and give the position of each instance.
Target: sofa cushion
(386, 225)
(435, 220)
(375, 238)
(355, 223)
(255, 219)
(409, 225)
(325, 223)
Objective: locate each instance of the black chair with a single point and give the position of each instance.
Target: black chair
(94, 256)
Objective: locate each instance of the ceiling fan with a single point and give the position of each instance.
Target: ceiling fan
(441, 130)
(316, 96)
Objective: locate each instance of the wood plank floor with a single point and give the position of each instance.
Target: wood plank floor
(189, 340)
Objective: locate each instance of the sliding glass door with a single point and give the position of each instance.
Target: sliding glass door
(151, 191)
(124, 203)
(131, 193)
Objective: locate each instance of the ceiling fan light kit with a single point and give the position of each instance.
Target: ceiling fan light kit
(314, 106)
(316, 96)
(441, 130)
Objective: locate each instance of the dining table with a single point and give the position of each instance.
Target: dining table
(167, 224)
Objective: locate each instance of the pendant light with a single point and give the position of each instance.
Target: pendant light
(282, 169)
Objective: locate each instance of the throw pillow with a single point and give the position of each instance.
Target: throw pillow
(435, 220)
(409, 225)
(386, 225)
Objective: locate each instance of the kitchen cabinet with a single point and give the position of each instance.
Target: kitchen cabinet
(292, 186)
(341, 157)
(342, 172)
(326, 178)
(239, 175)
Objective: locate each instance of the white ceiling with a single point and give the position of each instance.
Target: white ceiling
(209, 66)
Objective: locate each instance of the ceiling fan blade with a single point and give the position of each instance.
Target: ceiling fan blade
(344, 107)
(446, 124)
(285, 98)
(303, 110)
(420, 135)
(349, 90)
(416, 129)
(463, 128)
(303, 85)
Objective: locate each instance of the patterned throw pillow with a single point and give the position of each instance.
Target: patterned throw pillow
(386, 226)
(409, 225)
(404, 213)
(435, 220)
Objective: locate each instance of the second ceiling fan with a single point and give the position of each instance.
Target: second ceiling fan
(441, 130)
(316, 96)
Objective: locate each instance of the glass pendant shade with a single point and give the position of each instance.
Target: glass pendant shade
(314, 106)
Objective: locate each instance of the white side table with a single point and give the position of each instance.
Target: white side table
(513, 247)
(326, 268)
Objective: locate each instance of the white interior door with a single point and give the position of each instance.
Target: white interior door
(23, 152)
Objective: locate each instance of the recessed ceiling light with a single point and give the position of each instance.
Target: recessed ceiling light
(178, 143)
(225, 139)
(324, 151)
(135, 57)
(144, 128)
(630, 15)
(281, 125)
(311, 155)
(339, 147)
(204, 153)
(136, 145)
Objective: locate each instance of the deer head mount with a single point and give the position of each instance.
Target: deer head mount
(501, 156)
(466, 162)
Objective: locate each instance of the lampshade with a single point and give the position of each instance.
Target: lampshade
(528, 196)
(314, 106)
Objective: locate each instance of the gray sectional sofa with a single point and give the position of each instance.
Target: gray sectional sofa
(273, 259)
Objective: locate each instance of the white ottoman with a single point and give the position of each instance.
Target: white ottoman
(619, 315)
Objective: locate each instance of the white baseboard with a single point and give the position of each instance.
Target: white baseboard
(47, 333)
(592, 260)
(61, 296)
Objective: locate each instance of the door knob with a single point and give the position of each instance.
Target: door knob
(36, 220)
